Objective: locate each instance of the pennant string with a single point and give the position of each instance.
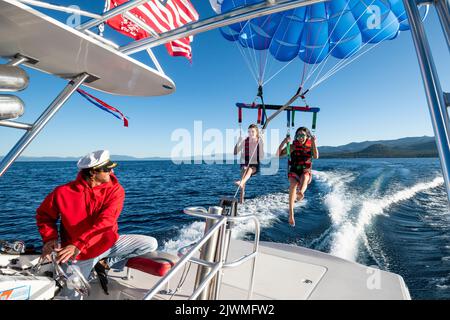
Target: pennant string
(104, 106)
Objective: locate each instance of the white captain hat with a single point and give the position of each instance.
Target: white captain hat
(96, 159)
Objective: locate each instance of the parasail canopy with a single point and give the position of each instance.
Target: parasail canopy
(336, 27)
(314, 33)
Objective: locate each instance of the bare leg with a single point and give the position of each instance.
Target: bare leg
(304, 180)
(247, 174)
(292, 196)
(242, 194)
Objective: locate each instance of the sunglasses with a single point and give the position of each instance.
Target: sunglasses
(301, 135)
(103, 169)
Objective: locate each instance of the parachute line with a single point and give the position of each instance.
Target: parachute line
(252, 51)
(247, 60)
(340, 61)
(329, 37)
(339, 66)
(335, 69)
(281, 69)
(329, 53)
(278, 49)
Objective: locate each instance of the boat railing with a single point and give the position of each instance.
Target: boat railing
(213, 248)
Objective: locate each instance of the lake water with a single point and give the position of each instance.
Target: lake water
(389, 213)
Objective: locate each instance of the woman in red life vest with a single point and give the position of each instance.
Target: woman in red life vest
(252, 153)
(302, 150)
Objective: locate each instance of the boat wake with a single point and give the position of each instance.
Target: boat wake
(351, 211)
(268, 208)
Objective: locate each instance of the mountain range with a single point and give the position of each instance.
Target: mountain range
(410, 147)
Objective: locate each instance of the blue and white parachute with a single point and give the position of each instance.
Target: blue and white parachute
(339, 28)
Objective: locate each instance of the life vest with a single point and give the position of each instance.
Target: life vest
(301, 156)
(247, 154)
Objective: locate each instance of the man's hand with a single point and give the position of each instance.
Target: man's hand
(313, 139)
(48, 248)
(66, 253)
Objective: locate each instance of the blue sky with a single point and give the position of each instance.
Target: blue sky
(378, 96)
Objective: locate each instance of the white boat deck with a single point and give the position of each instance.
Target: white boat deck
(282, 272)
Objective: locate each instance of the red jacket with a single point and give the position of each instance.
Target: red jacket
(88, 215)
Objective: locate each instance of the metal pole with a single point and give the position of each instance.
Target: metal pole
(40, 123)
(111, 13)
(140, 24)
(433, 90)
(207, 253)
(443, 11)
(18, 60)
(60, 8)
(205, 282)
(255, 249)
(221, 20)
(217, 281)
(16, 125)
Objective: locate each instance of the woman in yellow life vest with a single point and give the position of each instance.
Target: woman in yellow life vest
(252, 153)
(302, 150)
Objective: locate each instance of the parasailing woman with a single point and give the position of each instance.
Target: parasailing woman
(302, 150)
(252, 152)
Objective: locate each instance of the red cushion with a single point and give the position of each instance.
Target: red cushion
(155, 263)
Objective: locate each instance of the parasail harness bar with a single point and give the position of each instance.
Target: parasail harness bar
(277, 107)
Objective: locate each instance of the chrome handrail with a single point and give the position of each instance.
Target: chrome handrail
(216, 267)
(206, 281)
(159, 285)
(252, 255)
(256, 242)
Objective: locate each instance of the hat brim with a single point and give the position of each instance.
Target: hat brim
(108, 165)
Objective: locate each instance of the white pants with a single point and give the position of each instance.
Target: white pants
(127, 246)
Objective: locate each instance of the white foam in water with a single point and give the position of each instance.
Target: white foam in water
(267, 208)
(187, 235)
(346, 238)
(337, 198)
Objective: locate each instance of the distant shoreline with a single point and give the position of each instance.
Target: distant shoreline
(225, 160)
(408, 148)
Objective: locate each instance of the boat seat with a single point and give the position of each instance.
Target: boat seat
(156, 263)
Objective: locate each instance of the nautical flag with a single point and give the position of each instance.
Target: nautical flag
(161, 16)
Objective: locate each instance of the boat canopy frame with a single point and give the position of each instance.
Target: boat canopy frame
(190, 29)
(437, 99)
(234, 16)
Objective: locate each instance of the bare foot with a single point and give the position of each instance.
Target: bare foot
(238, 183)
(291, 221)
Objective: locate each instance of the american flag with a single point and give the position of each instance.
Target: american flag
(161, 16)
